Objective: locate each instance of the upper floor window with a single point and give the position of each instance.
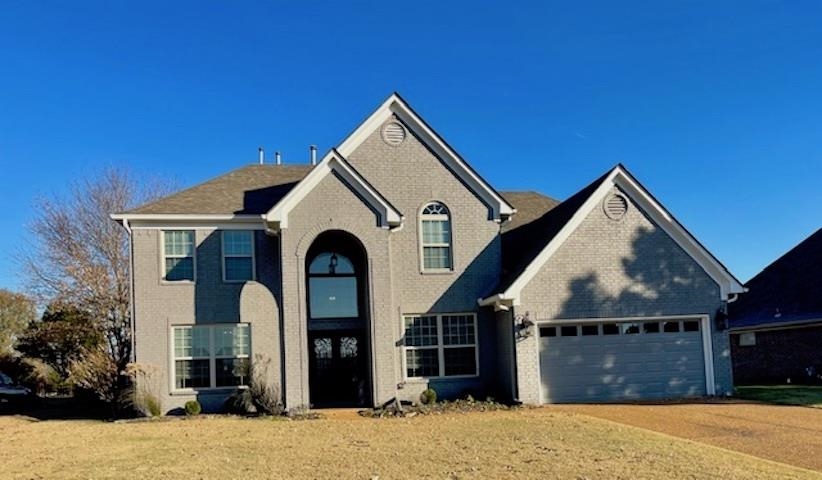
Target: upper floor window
(436, 237)
(178, 255)
(238, 255)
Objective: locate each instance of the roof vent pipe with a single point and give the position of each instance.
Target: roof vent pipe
(277, 159)
(262, 154)
(313, 150)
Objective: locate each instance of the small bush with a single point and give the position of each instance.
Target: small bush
(428, 396)
(193, 408)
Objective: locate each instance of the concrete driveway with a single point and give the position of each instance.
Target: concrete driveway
(786, 434)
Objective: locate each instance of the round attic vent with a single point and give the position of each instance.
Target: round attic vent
(615, 206)
(393, 134)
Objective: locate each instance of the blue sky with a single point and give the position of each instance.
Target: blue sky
(715, 106)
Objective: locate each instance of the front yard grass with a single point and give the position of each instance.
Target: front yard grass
(525, 443)
(809, 396)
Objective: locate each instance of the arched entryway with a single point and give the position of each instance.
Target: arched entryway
(337, 286)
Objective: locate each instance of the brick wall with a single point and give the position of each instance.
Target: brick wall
(779, 355)
(160, 305)
(410, 176)
(625, 268)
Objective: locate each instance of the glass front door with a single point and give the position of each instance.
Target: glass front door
(338, 376)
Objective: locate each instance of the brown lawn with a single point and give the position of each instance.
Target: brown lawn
(533, 443)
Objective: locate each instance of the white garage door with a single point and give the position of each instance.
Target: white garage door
(622, 360)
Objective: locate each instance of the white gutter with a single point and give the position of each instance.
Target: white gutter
(183, 216)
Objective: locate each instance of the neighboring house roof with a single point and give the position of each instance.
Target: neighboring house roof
(786, 292)
(249, 190)
(395, 106)
(542, 237)
(333, 162)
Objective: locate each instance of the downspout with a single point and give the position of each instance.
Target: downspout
(514, 371)
(127, 226)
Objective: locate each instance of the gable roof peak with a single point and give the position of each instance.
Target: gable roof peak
(560, 222)
(333, 161)
(396, 106)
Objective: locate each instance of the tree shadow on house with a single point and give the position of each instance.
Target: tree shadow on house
(655, 279)
(477, 280)
(217, 301)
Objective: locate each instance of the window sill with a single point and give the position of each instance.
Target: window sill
(235, 282)
(177, 282)
(441, 271)
(205, 391)
(422, 380)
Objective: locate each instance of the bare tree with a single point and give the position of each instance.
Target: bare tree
(16, 312)
(80, 257)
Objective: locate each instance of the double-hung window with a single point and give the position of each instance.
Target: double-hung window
(178, 255)
(238, 255)
(440, 345)
(435, 226)
(211, 356)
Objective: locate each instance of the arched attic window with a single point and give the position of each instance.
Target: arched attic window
(435, 228)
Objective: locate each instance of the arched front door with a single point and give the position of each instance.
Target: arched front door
(337, 321)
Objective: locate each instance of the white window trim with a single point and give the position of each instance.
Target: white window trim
(447, 217)
(223, 256)
(163, 256)
(212, 359)
(440, 346)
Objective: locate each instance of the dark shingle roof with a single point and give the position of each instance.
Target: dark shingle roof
(788, 290)
(249, 190)
(537, 222)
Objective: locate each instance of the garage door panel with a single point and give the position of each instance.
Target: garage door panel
(591, 368)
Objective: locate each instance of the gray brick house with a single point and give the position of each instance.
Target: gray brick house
(391, 266)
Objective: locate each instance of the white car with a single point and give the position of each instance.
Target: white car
(10, 391)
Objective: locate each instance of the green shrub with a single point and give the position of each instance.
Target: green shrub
(193, 408)
(428, 396)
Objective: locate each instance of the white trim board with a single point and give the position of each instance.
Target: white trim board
(277, 217)
(395, 105)
(621, 178)
(184, 217)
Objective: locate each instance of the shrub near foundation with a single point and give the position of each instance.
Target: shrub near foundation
(464, 405)
(428, 396)
(193, 408)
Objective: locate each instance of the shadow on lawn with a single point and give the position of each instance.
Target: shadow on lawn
(57, 408)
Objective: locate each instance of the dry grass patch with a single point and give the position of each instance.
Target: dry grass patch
(536, 443)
